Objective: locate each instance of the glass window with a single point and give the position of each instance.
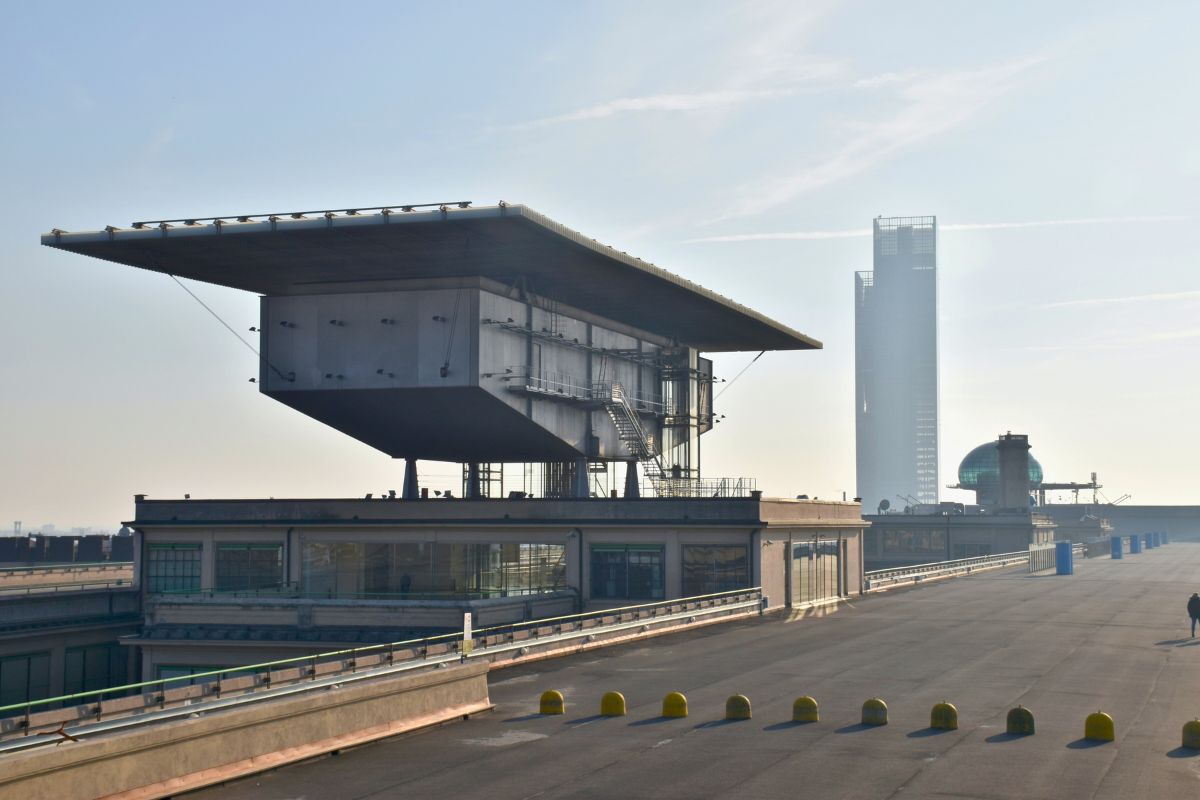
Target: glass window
(24, 677)
(95, 667)
(816, 570)
(423, 569)
(249, 566)
(531, 568)
(173, 568)
(627, 572)
(333, 569)
(711, 569)
(925, 542)
(458, 568)
(412, 568)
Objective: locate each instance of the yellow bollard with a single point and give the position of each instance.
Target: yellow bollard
(1020, 722)
(1191, 734)
(805, 710)
(944, 717)
(1099, 727)
(552, 703)
(674, 705)
(737, 707)
(874, 712)
(612, 705)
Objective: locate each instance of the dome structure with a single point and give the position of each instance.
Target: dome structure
(981, 468)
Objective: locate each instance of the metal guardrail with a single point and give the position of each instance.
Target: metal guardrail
(291, 591)
(879, 579)
(103, 566)
(561, 384)
(89, 713)
(57, 588)
(915, 573)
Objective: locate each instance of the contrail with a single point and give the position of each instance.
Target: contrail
(855, 233)
(1135, 298)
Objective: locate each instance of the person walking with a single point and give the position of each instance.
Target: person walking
(1194, 611)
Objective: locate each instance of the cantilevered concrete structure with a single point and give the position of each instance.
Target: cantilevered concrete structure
(477, 335)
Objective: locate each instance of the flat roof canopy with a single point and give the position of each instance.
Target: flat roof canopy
(282, 254)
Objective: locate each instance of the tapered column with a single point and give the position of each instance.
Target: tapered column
(633, 489)
(411, 490)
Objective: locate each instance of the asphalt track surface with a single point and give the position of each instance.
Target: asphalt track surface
(1114, 636)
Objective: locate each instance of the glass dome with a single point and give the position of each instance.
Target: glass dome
(982, 466)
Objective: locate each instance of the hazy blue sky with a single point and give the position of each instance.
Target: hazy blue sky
(744, 146)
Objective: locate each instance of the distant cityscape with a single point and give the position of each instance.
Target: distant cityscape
(51, 529)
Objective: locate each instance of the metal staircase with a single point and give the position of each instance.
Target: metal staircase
(629, 427)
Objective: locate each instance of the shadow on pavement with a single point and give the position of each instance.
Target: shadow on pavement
(783, 726)
(651, 721)
(855, 728)
(1174, 641)
(584, 720)
(524, 718)
(1086, 744)
(1183, 752)
(1005, 737)
(925, 732)
(717, 723)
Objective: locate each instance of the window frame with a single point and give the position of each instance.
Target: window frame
(657, 583)
(155, 583)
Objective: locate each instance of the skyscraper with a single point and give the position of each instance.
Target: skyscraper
(895, 365)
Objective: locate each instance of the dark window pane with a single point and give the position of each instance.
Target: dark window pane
(711, 569)
(627, 572)
(249, 566)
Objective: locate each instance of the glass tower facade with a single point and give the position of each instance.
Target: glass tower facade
(895, 366)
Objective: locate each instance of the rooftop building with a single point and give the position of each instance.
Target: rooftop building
(484, 336)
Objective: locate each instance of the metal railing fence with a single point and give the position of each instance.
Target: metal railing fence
(291, 591)
(703, 487)
(1041, 557)
(103, 566)
(56, 588)
(405, 654)
(916, 573)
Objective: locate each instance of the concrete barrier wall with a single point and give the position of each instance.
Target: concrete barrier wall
(66, 574)
(163, 759)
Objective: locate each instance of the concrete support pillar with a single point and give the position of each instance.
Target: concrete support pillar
(411, 490)
(580, 485)
(472, 487)
(633, 489)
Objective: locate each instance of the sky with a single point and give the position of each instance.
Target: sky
(743, 146)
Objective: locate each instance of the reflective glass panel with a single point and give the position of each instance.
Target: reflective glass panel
(709, 569)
